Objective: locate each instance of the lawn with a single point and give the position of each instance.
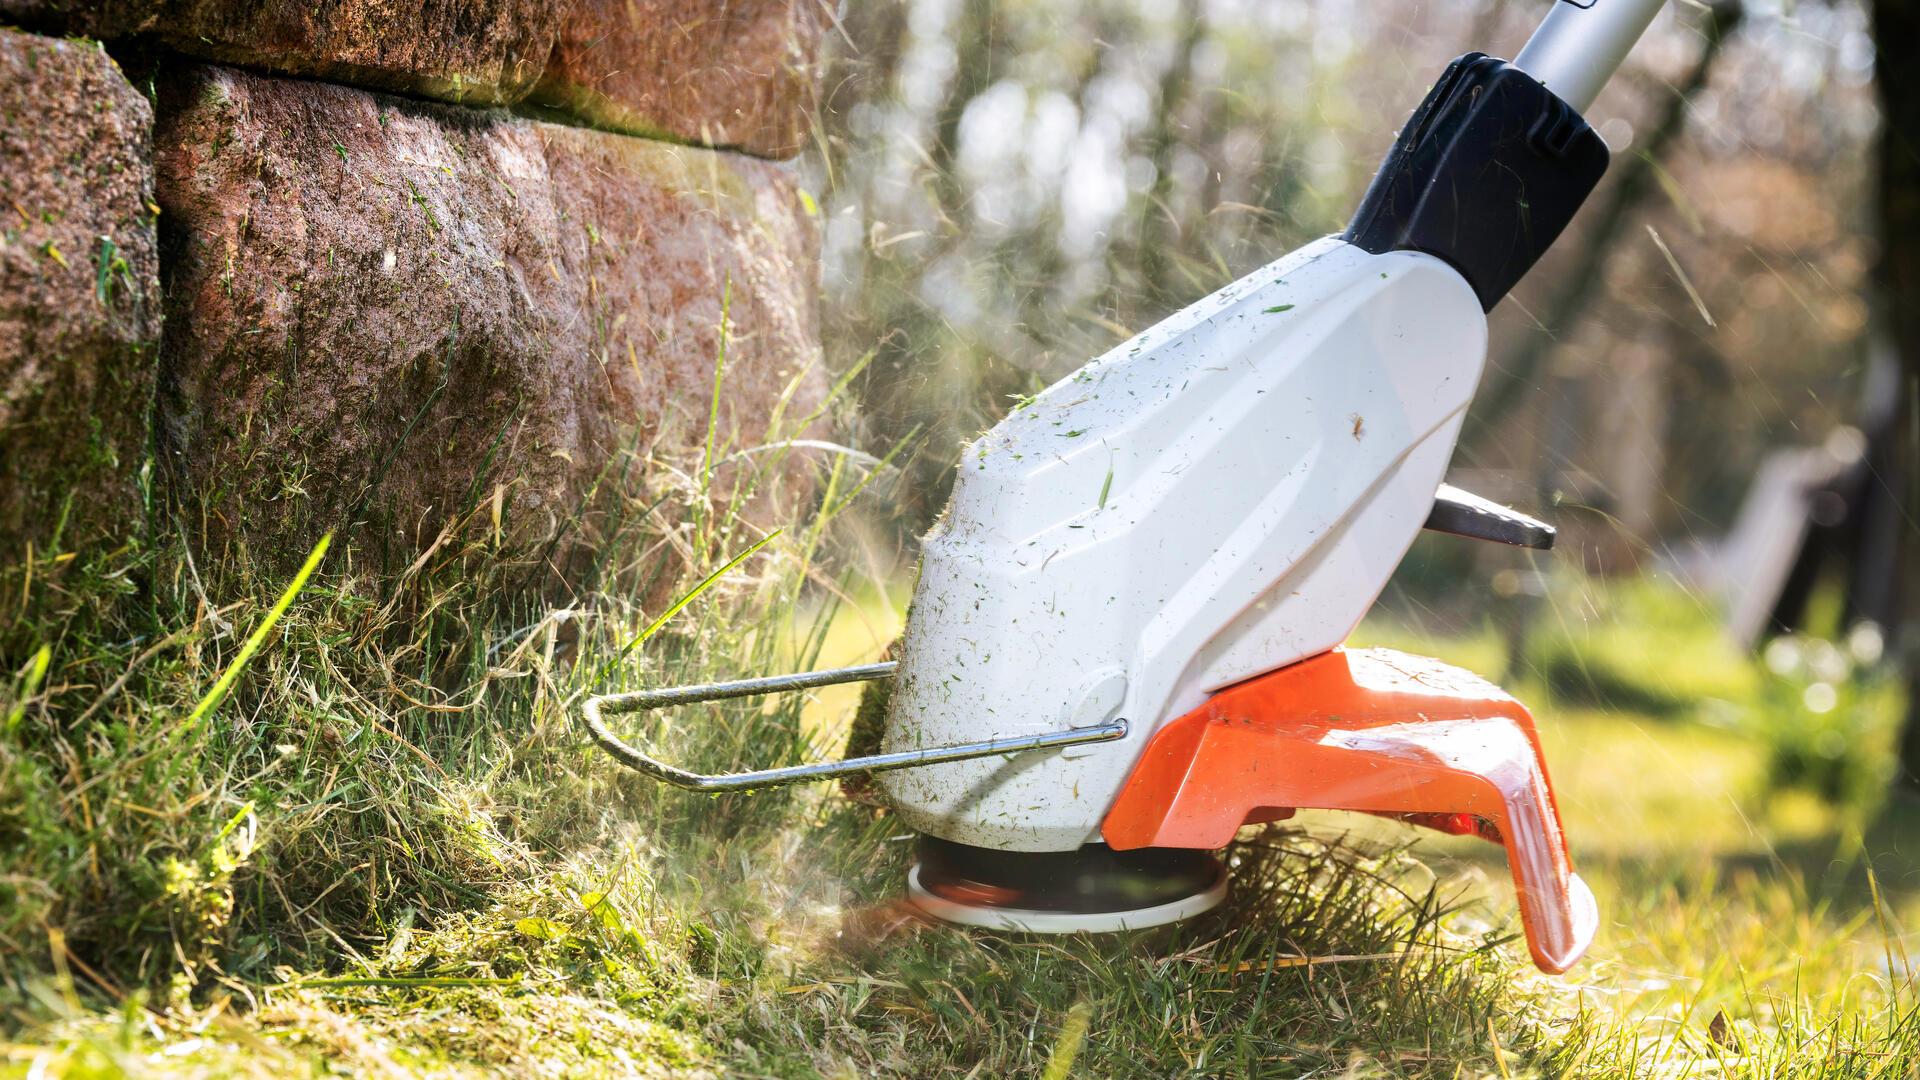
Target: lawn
(334, 873)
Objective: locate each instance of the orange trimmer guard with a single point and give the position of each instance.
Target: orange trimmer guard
(1371, 730)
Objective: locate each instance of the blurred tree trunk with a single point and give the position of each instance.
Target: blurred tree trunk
(975, 63)
(864, 72)
(1160, 228)
(1508, 381)
(863, 65)
(1896, 26)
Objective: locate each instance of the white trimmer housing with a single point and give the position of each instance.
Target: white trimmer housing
(1218, 497)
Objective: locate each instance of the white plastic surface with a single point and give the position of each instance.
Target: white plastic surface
(1222, 495)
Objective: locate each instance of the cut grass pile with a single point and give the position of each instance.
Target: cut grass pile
(390, 851)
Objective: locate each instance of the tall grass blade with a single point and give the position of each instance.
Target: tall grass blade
(705, 584)
(259, 636)
(1073, 1033)
(713, 411)
(29, 685)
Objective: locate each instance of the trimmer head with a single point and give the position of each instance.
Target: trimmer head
(1124, 641)
(1094, 889)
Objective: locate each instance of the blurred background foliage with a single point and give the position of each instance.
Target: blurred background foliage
(1011, 187)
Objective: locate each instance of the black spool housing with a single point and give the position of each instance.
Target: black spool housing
(1485, 175)
(1092, 880)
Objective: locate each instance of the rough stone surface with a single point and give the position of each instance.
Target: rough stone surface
(484, 52)
(741, 74)
(382, 310)
(734, 73)
(79, 298)
(663, 237)
(93, 18)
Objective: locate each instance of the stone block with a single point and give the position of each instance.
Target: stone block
(735, 73)
(381, 311)
(741, 74)
(484, 52)
(79, 296)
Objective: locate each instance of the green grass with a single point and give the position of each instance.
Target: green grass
(390, 851)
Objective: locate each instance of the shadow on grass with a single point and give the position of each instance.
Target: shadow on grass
(1848, 866)
(1569, 678)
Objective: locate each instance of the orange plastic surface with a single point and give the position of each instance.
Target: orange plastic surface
(1371, 730)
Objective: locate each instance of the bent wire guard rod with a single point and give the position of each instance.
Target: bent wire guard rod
(593, 712)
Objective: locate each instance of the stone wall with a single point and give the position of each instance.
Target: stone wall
(79, 297)
(731, 73)
(313, 303)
